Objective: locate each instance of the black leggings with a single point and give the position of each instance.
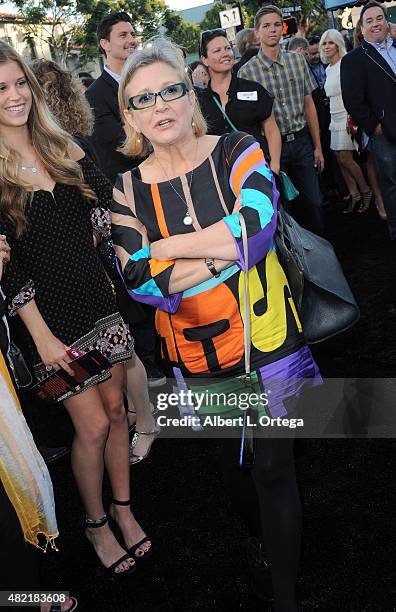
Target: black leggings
(267, 498)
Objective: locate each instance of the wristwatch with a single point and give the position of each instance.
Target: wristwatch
(210, 264)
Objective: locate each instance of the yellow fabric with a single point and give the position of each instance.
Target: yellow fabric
(24, 475)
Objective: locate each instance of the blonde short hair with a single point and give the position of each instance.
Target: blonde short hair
(336, 38)
(157, 49)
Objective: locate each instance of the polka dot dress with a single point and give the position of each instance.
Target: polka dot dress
(72, 291)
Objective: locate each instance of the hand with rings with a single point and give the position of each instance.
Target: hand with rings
(53, 354)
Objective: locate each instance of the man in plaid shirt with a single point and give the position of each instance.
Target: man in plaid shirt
(289, 80)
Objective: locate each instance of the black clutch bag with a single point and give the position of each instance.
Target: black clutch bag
(319, 288)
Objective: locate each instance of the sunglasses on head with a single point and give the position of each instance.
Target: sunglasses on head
(208, 35)
(167, 94)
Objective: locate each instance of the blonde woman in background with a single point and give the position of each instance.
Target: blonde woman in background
(332, 49)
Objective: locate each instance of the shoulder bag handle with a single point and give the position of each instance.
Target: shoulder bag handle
(226, 117)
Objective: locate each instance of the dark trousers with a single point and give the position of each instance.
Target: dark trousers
(18, 564)
(297, 160)
(145, 337)
(384, 153)
(267, 498)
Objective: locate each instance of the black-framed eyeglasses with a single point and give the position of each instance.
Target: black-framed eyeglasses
(207, 36)
(167, 94)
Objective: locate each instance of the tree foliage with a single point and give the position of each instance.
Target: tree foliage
(54, 22)
(312, 17)
(63, 23)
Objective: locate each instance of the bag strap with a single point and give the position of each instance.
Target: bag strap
(226, 117)
(246, 298)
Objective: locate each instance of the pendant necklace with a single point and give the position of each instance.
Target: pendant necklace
(33, 169)
(187, 220)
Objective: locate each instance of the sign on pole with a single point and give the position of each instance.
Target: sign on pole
(230, 18)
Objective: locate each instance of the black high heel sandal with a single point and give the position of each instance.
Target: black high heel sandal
(133, 549)
(366, 199)
(94, 524)
(352, 202)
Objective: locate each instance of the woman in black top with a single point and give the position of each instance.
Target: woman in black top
(58, 295)
(247, 105)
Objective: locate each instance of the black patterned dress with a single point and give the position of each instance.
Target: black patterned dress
(55, 262)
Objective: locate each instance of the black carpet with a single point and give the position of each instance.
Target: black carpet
(347, 488)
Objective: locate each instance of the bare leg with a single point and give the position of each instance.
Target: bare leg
(346, 161)
(373, 180)
(91, 426)
(116, 457)
(137, 393)
(349, 180)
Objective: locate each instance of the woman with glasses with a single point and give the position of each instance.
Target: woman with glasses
(178, 238)
(229, 103)
(59, 297)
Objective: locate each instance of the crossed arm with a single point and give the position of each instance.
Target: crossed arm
(190, 251)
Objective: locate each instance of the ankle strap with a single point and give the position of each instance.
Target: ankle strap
(117, 502)
(89, 522)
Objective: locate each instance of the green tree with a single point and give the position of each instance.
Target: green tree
(311, 19)
(55, 22)
(181, 32)
(211, 19)
(148, 16)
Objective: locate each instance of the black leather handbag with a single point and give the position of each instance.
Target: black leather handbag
(319, 288)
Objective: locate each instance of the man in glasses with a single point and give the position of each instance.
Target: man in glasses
(289, 80)
(117, 40)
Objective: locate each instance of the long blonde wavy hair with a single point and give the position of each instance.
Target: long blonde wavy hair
(50, 143)
(157, 49)
(64, 96)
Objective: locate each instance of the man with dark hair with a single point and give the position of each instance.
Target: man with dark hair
(117, 40)
(289, 80)
(314, 61)
(368, 83)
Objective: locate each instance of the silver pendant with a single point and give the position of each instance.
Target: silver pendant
(187, 219)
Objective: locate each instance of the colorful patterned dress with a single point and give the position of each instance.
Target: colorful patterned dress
(201, 329)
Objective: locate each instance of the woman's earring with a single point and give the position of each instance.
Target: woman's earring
(139, 140)
(193, 123)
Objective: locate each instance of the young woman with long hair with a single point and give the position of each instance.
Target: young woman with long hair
(58, 295)
(71, 109)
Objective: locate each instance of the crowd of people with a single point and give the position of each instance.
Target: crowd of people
(131, 209)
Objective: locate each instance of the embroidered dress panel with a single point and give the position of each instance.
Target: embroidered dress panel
(56, 263)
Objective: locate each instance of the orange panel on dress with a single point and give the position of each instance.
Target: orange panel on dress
(215, 306)
(159, 211)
